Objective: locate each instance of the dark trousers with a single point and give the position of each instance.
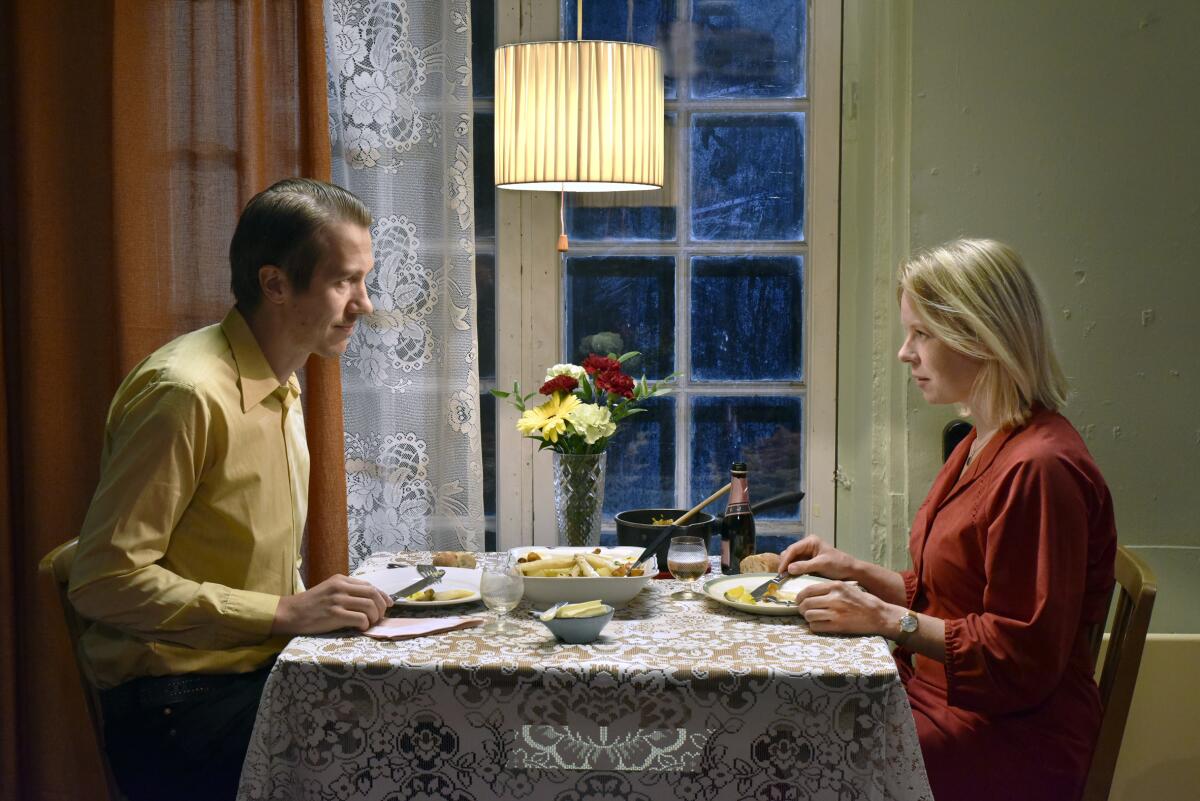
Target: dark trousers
(181, 737)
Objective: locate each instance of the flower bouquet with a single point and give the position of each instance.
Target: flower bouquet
(585, 404)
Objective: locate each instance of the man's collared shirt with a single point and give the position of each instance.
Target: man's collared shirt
(195, 528)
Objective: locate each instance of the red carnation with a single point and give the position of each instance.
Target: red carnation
(615, 382)
(560, 383)
(600, 364)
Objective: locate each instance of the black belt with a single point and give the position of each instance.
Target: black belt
(154, 691)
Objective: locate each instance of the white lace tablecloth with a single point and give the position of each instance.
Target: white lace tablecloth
(686, 700)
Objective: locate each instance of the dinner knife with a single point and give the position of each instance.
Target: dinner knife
(432, 578)
(762, 589)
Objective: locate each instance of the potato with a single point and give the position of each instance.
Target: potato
(551, 563)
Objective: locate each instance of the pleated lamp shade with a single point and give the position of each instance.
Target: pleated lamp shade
(579, 116)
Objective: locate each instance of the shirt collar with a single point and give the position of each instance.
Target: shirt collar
(255, 379)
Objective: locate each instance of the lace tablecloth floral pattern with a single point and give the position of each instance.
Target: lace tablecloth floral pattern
(685, 700)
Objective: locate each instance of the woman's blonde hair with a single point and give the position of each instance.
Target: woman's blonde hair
(976, 296)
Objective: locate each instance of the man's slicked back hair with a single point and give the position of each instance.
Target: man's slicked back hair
(281, 225)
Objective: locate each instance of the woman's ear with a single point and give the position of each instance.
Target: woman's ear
(274, 284)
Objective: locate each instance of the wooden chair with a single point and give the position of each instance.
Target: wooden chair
(57, 566)
(1136, 589)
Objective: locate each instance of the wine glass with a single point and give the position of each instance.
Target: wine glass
(687, 559)
(501, 587)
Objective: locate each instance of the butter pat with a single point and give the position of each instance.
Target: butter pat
(585, 609)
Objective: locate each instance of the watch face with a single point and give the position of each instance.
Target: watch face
(908, 623)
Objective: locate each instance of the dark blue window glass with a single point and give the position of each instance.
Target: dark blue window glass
(749, 48)
(640, 471)
(483, 48)
(748, 176)
(622, 303)
(485, 313)
(747, 321)
(764, 432)
(647, 22)
(487, 420)
(483, 137)
(628, 216)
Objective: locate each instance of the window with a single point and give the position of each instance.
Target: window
(726, 276)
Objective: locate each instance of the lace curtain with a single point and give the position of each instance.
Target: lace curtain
(400, 125)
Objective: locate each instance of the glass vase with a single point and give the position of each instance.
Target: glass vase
(578, 497)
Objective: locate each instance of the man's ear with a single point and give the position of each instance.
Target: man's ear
(274, 284)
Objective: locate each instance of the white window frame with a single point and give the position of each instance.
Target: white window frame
(529, 302)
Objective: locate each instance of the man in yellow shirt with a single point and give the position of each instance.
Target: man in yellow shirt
(188, 561)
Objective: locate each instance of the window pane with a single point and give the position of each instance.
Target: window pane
(747, 318)
(485, 314)
(483, 138)
(629, 216)
(642, 21)
(763, 432)
(623, 303)
(749, 48)
(483, 47)
(748, 176)
(487, 419)
(640, 472)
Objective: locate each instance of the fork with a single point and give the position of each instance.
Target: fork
(429, 575)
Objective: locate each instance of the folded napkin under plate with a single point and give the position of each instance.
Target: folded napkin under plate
(407, 628)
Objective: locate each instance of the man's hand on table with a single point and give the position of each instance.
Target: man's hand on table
(338, 602)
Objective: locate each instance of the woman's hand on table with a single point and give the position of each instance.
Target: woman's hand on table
(813, 555)
(835, 607)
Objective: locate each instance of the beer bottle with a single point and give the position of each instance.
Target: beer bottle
(737, 527)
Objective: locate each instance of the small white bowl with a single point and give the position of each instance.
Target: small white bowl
(579, 630)
(615, 591)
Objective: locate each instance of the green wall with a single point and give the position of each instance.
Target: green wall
(1067, 129)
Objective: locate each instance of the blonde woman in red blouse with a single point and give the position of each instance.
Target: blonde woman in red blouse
(1012, 550)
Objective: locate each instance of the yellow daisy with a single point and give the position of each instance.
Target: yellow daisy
(549, 419)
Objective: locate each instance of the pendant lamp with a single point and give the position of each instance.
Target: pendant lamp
(579, 116)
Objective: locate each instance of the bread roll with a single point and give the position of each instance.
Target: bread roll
(760, 563)
(454, 559)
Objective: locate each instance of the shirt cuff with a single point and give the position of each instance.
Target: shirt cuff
(952, 662)
(910, 586)
(251, 612)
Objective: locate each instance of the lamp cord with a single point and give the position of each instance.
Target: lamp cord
(563, 243)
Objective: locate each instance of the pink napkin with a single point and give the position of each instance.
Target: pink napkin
(407, 628)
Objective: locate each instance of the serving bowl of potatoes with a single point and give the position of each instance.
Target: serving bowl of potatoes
(581, 574)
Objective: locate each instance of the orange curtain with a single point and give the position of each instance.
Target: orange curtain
(133, 134)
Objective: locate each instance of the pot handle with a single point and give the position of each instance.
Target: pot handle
(782, 499)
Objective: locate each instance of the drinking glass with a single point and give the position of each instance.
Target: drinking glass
(501, 587)
(687, 559)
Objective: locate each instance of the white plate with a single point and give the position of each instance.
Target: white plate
(456, 578)
(616, 591)
(715, 588)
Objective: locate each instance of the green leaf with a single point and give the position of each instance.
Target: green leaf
(499, 393)
(624, 357)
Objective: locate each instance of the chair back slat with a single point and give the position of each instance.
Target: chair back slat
(56, 566)
(1136, 590)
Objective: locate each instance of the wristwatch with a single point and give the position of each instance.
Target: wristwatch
(908, 625)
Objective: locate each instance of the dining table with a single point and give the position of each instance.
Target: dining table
(678, 699)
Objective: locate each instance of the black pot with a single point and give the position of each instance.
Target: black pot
(635, 527)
